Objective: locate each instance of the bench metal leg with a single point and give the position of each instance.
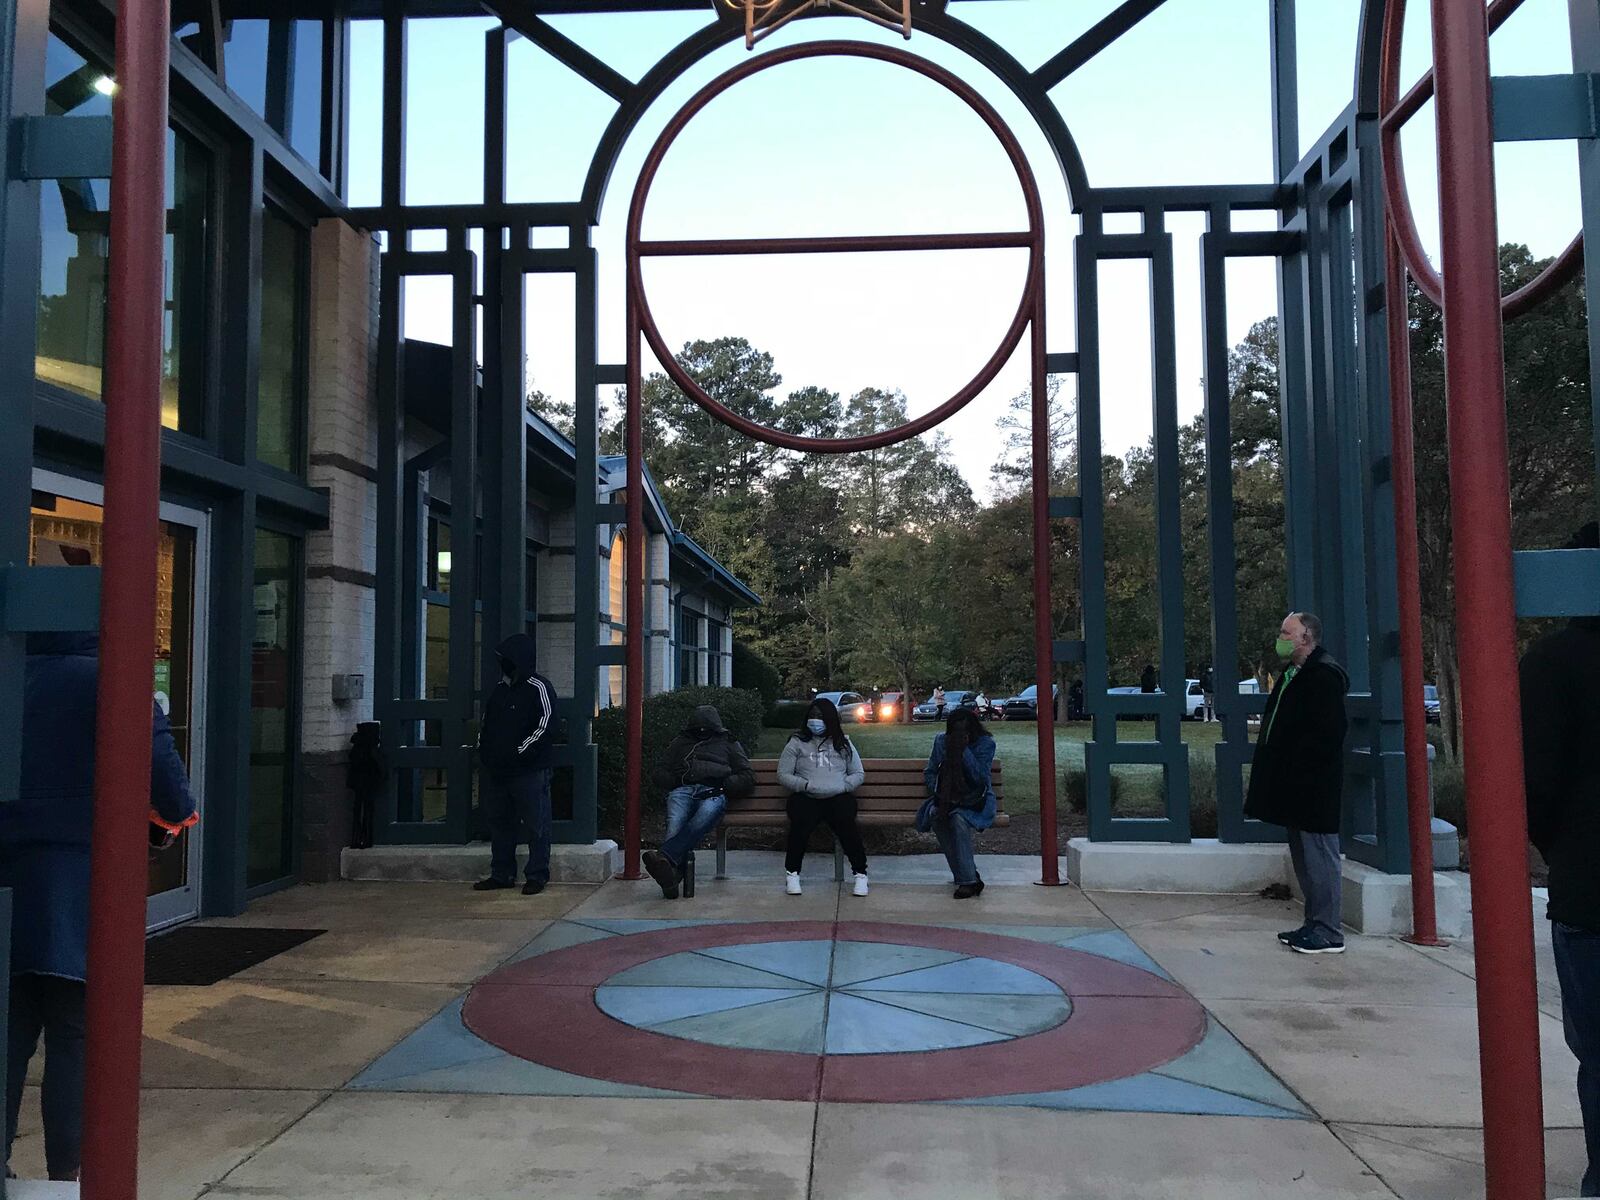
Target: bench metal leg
(838, 862)
(722, 851)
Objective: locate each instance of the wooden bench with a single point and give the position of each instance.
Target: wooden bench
(891, 795)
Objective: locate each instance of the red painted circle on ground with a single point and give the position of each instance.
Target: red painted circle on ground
(1124, 1021)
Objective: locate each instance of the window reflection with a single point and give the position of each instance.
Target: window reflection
(74, 224)
(282, 386)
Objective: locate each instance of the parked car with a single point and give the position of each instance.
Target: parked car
(1024, 706)
(1194, 698)
(889, 707)
(954, 698)
(852, 706)
(1430, 703)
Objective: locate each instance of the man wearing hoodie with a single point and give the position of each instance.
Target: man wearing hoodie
(1297, 777)
(44, 860)
(702, 767)
(1561, 770)
(514, 743)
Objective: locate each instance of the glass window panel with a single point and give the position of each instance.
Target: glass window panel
(305, 93)
(273, 709)
(74, 223)
(281, 391)
(245, 57)
(436, 665)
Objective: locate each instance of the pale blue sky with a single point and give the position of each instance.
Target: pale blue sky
(855, 147)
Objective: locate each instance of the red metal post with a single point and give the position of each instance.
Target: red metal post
(1408, 578)
(134, 306)
(1502, 911)
(633, 638)
(1043, 603)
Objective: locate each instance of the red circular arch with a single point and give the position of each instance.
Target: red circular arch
(1403, 221)
(1124, 1021)
(1027, 309)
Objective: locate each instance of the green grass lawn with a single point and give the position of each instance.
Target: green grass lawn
(1018, 748)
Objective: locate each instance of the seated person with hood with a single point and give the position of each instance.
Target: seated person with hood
(44, 860)
(702, 767)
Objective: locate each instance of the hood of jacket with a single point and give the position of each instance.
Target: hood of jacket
(706, 718)
(80, 645)
(518, 652)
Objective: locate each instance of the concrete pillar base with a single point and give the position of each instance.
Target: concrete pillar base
(1379, 904)
(1203, 865)
(594, 863)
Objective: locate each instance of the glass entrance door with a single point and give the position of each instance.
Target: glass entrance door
(67, 522)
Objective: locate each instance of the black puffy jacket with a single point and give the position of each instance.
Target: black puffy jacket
(519, 713)
(1561, 766)
(706, 753)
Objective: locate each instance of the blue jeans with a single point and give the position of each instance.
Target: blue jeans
(1578, 968)
(692, 812)
(518, 809)
(955, 839)
(53, 1006)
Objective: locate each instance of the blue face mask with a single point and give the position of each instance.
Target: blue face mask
(817, 727)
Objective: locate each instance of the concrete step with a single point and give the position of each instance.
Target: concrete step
(594, 863)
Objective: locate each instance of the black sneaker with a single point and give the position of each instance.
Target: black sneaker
(492, 884)
(1311, 942)
(663, 872)
(966, 891)
(1289, 935)
(533, 887)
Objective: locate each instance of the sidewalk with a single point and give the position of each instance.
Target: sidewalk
(745, 1044)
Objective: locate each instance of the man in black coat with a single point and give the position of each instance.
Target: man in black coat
(514, 741)
(1297, 776)
(1561, 770)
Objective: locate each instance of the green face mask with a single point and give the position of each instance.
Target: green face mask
(1284, 647)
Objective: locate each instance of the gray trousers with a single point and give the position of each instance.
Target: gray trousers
(1317, 867)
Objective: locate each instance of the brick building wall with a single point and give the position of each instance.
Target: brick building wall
(341, 561)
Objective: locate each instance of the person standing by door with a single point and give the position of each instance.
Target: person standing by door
(514, 742)
(1561, 770)
(44, 860)
(1297, 777)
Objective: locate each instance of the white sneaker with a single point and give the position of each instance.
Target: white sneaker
(861, 886)
(791, 882)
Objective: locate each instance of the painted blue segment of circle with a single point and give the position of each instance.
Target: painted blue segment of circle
(835, 998)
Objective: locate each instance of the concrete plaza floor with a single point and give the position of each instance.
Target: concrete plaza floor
(749, 1045)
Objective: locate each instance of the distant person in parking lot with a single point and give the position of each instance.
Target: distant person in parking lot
(1208, 696)
(1297, 776)
(1561, 768)
(822, 770)
(937, 699)
(1149, 681)
(960, 797)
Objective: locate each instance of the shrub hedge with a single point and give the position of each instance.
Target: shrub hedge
(752, 672)
(665, 716)
(786, 714)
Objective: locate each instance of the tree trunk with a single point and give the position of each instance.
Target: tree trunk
(1448, 681)
(905, 697)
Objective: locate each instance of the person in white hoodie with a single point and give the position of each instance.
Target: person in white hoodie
(821, 769)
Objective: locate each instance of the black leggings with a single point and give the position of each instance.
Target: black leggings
(839, 814)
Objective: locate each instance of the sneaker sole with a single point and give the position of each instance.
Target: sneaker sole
(1317, 949)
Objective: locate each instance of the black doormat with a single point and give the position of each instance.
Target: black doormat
(200, 955)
